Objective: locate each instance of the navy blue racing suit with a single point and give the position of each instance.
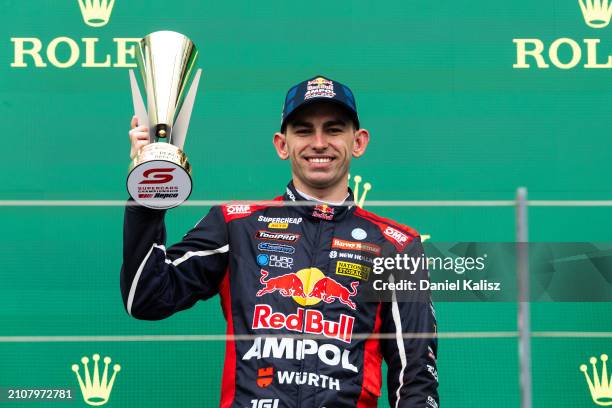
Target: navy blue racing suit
(288, 277)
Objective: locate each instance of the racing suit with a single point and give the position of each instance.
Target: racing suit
(288, 270)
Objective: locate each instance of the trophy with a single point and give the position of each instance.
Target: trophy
(160, 175)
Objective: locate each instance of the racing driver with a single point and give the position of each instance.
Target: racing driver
(289, 272)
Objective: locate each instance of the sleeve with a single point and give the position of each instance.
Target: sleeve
(155, 282)
(412, 377)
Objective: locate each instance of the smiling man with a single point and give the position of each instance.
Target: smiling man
(290, 274)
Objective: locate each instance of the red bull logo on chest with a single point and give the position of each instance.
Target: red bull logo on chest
(308, 287)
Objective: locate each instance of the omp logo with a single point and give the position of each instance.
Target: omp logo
(88, 52)
(238, 209)
(157, 176)
(96, 13)
(96, 391)
(599, 385)
(400, 239)
(567, 53)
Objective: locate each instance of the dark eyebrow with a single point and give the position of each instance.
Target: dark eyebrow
(337, 122)
(301, 123)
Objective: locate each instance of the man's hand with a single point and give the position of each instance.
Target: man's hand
(139, 136)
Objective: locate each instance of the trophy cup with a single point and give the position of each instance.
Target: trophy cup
(160, 175)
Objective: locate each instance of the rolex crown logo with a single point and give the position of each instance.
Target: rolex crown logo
(96, 13)
(597, 13)
(360, 198)
(600, 387)
(96, 391)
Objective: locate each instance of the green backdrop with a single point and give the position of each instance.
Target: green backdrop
(450, 118)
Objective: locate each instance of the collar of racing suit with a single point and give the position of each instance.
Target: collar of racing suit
(318, 209)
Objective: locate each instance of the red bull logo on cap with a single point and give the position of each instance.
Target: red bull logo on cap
(308, 287)
(320, 81)
(319, 87)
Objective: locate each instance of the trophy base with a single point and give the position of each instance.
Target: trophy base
(160, 176)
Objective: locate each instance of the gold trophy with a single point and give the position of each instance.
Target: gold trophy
(160, 175)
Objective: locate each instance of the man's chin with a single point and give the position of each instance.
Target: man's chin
(321, 181)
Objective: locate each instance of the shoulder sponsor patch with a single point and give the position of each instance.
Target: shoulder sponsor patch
(235, 211)
(338, 243)
(353, 270)
(277, 236)
(397, 237)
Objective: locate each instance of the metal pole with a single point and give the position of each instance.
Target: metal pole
(524, 321)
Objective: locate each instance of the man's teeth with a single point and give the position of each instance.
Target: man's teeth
(319, 159)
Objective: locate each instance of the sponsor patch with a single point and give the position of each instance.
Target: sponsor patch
(398, 238)
(264, 403)
(323, 211)
(309, 321)
(319, 87)
(287, 348)
(277, 261)
(277, 236)
(237, 209)
(310, 379)
(318, 287)
(284, 249)
(355, 257)
(338, 243)
(265, 377)
(278, 225)
(359, 234)
(353, 270)
(280, 220)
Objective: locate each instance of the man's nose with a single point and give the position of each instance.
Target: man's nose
(320, 140)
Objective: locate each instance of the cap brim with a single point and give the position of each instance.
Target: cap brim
(349, 110)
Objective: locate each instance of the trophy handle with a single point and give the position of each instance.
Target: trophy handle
(139, 107)
(181, 124)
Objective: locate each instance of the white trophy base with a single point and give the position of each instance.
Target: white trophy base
(159, 184)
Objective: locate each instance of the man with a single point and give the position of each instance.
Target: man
(279, 272)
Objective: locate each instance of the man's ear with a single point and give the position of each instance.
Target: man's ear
(280, 144)
(361, 140)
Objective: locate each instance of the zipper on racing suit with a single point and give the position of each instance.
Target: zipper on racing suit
(313, 258)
